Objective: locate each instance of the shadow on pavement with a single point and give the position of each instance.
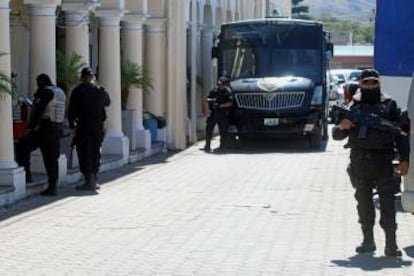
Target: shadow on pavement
(369, 262)
(36, 201)
(263, 145)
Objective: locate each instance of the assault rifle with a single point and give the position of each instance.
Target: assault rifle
(366, 120)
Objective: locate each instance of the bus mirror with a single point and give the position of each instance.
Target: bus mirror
(214, 52)
(330, 49)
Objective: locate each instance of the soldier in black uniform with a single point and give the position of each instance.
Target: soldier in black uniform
(44, 131)
(86, 115)
(219, 102)
(371, 161)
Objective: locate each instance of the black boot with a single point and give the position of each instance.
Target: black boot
(207, 147)
(50, 191)
(97, 185)
(29, 178)
(391, 248)
(368, 244)
(90, 183)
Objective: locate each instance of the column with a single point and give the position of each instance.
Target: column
(110, 77)
(260, 9)
(42, 39)
(156, 63)
(132, 37)
(77, 34)
(177, 98)
(207, 35)
(10, 173)
(407, 197)
(77, 28)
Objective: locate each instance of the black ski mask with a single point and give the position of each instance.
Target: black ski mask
(370, 96)
(370, 91)
(370, 87)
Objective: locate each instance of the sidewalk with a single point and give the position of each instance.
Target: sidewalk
(260, 210)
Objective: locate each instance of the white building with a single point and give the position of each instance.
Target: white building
(157, 34)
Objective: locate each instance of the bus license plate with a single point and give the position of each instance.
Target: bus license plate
(271, 121)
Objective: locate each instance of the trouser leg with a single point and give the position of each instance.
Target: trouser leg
(223, 123)
(366, 214)
(210, 123)
(50, 153)
(24, 148)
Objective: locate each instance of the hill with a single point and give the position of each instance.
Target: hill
(357, 10)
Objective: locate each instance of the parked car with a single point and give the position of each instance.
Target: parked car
(344, 75)
(339, 81)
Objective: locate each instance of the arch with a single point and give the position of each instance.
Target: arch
(157, 8)
(219, 17)
(207, 15)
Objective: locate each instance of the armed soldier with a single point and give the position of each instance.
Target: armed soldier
(44, 131)
(86, 114)
(219, 102)
(371, 158)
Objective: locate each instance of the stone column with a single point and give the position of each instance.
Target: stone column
(156, 63)
(177, 98)
(42, 39)
(132, 34)
(110, 77)
(260, 9)
(77, 33)
(10, 173)
(207, 34)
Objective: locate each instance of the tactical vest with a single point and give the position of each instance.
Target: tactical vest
(55, 110)
(375, 139)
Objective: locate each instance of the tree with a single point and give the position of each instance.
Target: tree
(299, 11)
(362, 32)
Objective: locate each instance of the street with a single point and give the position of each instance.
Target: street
(264, 209)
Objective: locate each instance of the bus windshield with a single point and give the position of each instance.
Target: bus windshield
(256, 50)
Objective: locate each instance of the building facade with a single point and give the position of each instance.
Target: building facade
(171, 40)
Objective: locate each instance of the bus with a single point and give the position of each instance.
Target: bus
(278, 69)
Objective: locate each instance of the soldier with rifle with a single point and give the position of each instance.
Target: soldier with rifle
(219, 102)
(86, 115)
(373, 130)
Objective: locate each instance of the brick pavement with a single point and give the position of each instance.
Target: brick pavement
(259, 211)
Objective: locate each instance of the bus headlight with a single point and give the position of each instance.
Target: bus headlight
(317, 95)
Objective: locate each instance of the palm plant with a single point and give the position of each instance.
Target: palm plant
(6, 85)
(67, 70)
(133, 75)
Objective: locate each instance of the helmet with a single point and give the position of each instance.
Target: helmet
(223, 80)
(86, 72)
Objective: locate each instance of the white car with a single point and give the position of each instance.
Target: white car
(337, 78)
(344, 75)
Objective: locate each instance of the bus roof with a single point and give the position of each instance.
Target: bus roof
(281, 20)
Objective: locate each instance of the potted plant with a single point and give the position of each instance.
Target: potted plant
(133, 75)
(67, 70)
(6, 84)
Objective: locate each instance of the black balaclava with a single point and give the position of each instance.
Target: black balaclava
(370, 95)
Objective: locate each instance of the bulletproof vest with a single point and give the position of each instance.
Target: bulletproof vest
(223, 96)
(374, 139)
(55, 110)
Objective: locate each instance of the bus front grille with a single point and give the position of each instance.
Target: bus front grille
(270, 101)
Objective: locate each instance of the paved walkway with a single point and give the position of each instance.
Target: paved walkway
(262, 210)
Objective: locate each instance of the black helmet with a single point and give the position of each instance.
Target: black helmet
(86, 72)
(43, 80)
(223, 80)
